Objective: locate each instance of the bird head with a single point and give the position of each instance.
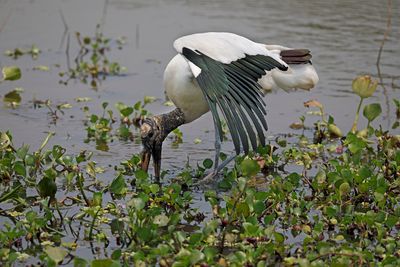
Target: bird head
(152, 138)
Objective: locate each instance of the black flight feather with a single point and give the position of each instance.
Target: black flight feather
(234, 89)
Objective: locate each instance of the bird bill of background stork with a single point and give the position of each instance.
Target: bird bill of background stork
(226, 74)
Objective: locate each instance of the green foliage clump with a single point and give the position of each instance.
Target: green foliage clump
(320, 198)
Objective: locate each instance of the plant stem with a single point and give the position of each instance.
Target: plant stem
(354, 128)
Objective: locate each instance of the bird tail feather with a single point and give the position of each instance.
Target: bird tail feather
(301, 73)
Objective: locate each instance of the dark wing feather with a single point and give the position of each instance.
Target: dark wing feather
(233, 88)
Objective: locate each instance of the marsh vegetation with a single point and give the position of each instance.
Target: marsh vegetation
(323, 192)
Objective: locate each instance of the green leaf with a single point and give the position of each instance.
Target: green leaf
(249, 167)
(104, 263)
(79, 262)
(47, 187)
(126, 111)
(207, 163)
(195, 238)
(116, 255)
(161, 220)
(55, 253)
(392, 221)
(12, 97)
(372, 111)
(118, 186)
(5, 141)
(137, 203)
(117, 226)
(344, 189)
(97, 198)
(334, 131)
(11, 73)
(20, 169)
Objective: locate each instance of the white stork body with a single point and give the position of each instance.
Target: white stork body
(224, 73)
(183, 90)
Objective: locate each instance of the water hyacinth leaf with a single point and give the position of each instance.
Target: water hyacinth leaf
(47, 187)
(4, 141)
(137, 203)
(207, 163)
(97, 198)
(195, 238)
(344, 189)
(11, 73)
(372, 111)
(116, 255)
(90, 169)
(12, 97)
(118, 186)
(117, 226)
(19, 168)
(249, 167)
(161, 220)
(334, 131)
(126, 111)
(105, 263)
(57, 254)
(79, 262)
(141, 174)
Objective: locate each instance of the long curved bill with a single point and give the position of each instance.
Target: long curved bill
(156, 154)
(146, 155)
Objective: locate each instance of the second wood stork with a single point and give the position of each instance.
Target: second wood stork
(224, 73)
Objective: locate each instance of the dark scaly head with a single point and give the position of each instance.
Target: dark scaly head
(152, 138)
(153, 132)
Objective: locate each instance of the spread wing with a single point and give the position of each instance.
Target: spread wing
(229, 82)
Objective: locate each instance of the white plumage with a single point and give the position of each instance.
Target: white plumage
(179, 76)
(224, 73)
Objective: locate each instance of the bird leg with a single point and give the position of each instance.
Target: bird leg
(206, 179)
(217, 167)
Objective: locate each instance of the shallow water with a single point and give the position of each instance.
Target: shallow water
(344, 37)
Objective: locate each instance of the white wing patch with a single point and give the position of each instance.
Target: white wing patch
(223, 47)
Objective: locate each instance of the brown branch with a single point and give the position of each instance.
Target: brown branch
(385, 37)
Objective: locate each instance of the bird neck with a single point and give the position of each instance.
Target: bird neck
(170, 121)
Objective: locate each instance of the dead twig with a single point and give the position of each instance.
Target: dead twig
(66, 29)
(385, 37)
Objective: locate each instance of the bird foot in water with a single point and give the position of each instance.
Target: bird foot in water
(208, 178)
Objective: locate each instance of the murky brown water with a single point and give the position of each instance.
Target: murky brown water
(344, 37)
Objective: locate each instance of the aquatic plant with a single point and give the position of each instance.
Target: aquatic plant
(12, 73)
(91, 64)
(298, 201)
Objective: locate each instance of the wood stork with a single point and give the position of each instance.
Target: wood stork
(224, 73)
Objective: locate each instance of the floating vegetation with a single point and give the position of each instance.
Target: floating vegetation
(100, 128)
(91, 64)
(12, 73)
(54, 110)
(298, 201)
(33, 51)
